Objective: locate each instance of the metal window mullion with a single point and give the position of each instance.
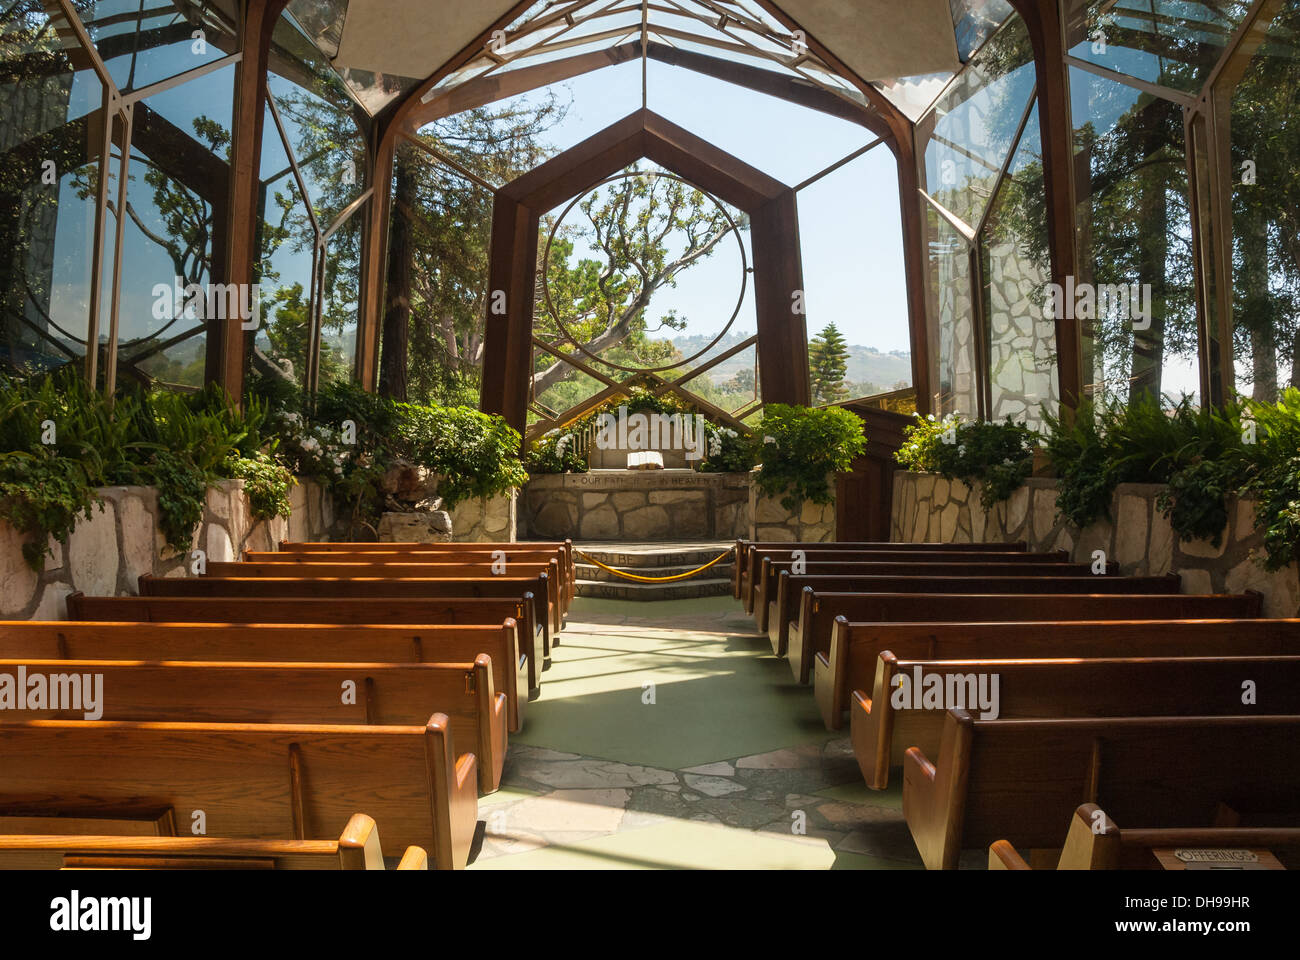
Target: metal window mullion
(162, 86)
(1155, 89)
(97, 244)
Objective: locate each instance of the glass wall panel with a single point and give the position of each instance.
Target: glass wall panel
(952, 339)
(174, 216)
(285, 277)
(854, 279)
(50, 133)
(1173, 43)
(1015, 270)
(1134, 296)
(341, 301)
(1265, 154)
(967, 135)
(145, 43)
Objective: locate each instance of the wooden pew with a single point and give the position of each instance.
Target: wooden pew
(777, 554)
(474, 557)
(516, 661)
(770, 569)
(310, 569)
(789, 589)
(357, 848)
(810, 634)
(253, 781)
(1155, 686)
(105, 630)
(747, 563)
(1019, 780)
(365, 588)
(1095, 842)
(199, 691)
(562, 548)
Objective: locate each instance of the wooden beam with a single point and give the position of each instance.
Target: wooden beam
(778, 275)
(260, 17)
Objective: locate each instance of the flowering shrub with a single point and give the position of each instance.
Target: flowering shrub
(728, 451)
(556, 452)
(998, 455)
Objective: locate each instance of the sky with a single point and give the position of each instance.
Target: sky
(850, 236)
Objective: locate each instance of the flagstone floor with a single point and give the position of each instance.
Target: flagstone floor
(668, 736)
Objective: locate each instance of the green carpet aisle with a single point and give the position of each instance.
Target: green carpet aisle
(668, 736)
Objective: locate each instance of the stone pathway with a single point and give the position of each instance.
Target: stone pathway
(668, 736)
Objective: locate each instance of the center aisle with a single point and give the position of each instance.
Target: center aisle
(668, 736)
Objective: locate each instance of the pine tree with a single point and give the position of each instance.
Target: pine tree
(828, 362)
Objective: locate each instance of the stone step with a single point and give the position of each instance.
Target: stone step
(589, 571)
(678, 590)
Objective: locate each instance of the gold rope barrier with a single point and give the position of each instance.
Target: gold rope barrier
(677, 576)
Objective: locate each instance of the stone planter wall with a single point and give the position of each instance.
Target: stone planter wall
(812, 523)
(637, 505)
(486, 519)
(930, 509)
(106, 555)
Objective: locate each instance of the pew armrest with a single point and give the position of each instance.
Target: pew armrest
(414, 859)
(1003, 856)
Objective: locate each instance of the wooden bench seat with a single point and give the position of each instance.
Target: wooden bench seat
(517, 589)
(1095, 842)
(561, 548)
(1172, 685)
(810, 634)
(473, 557)
(765, 586)
(744, 578)
(253, 781)
(1020, 780)
(315, 569)
(389, 631)
(789, 589)
(357, 848)
(198, 691)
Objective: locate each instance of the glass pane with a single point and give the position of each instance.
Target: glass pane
(1265, 154)
(1016, 268)
(974, 22)
(322, 123)
(147, 42)
(971, 130)
(177, 187)
(285, 242)
(854, 278)
(952, 340)
(1134, 297)
(341, 302)
(1169, 42)
(50, 130)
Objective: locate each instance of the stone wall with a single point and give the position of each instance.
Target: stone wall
(106, 554)
(930, 509)
(637, 505)
(812, 523)
(486, 519)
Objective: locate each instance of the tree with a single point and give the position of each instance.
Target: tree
(828, 362)
(647, 230)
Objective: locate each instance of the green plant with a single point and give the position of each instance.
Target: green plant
(801, 446)
(267, 483)
(729, 451)
(556, 452)
(1271, 454)
(476, 454)
(998, 455)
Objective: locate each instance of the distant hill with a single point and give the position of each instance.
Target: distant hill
(867, 366)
